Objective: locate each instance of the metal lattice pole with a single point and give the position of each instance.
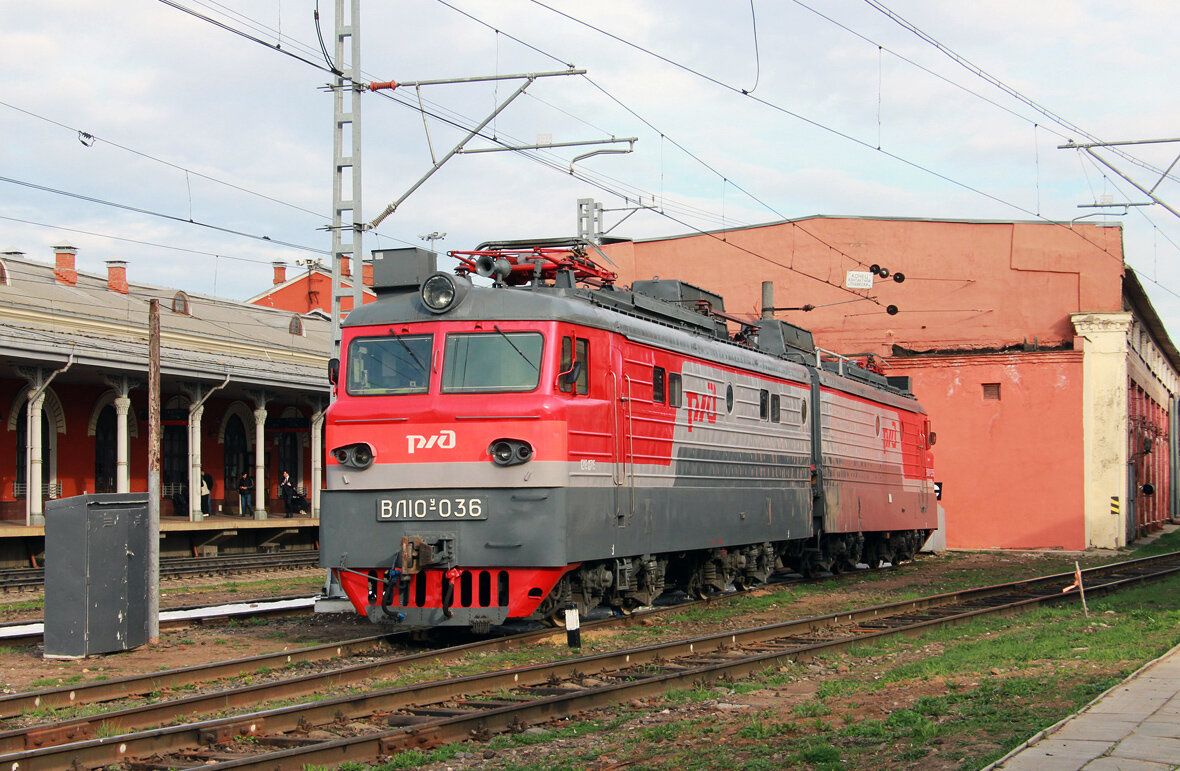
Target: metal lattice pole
(346, 162)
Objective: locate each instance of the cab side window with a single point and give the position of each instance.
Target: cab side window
(567, 361)
(582, 354)
(575, 350)
(658, 385)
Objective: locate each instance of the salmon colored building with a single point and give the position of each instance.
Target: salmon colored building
(311, 290)
(1048, 376)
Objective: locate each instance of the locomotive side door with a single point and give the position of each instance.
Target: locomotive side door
(620, 418)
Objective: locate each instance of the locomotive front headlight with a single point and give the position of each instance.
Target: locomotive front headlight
(502, 453)
(358, 456)
(510, 452)
(438, 292)
(362, 456)
(442, 292)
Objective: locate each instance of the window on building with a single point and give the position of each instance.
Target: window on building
(296, 326)
(991, 392)
(22, 456)
(180, 303)
(106, 450)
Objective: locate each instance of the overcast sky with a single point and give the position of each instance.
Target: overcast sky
(189, 121)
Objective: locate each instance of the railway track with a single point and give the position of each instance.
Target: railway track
(30, 632)
(383, 722)
(23, 579)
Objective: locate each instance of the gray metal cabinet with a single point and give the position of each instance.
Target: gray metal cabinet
(96, 555)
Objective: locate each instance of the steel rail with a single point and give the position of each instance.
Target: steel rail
(17, 704)
(865, 624)
(137, 685)
(176, 623)
(507, 717)
(25, 578)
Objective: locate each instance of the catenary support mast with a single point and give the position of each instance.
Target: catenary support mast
(346, 162)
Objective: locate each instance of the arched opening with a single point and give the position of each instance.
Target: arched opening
(174, 466)
(237, 459)
(22, 454)
(106, 442)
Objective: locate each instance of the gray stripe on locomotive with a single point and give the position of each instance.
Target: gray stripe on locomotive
(586, 522)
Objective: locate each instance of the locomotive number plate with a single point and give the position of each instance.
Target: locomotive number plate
(428, 508)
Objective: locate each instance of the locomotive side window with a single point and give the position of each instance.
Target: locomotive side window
(492, 362)
(658, 385)
(582, 349)
(580, 346)
(675, 390)
(381, 366)
(775, 408)
(764, 404)
(566, 363)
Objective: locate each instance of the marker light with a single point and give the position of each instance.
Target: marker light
(510, 452)
(358, 456)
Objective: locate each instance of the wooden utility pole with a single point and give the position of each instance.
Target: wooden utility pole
(153, 568)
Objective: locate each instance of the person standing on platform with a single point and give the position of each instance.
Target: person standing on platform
(287, 491)
(206, 491)
(246, 494)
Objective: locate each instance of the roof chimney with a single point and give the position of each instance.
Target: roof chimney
(345, 265)
(367, 273)
(64, 271)
(117, 276)
(280, 272)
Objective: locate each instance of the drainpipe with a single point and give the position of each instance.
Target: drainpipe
(195, 411)
(34, 512)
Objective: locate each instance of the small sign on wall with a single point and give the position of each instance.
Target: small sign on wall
(858, 279)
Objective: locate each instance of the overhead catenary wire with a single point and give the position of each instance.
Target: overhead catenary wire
(92, 138)
(829, 129)
(601, 185)
(771, 105)
(995, 81)
(162, 215)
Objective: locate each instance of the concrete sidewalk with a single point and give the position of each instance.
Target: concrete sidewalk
(1135, 726)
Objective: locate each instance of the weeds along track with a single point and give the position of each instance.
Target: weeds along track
(334, 658)
(32, 579)
(369, 725)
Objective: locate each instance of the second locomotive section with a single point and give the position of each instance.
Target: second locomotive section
(497, 452)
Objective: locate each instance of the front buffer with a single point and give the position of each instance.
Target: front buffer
(457, 557)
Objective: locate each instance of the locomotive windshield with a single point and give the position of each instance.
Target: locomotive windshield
(492, 362)
(399, 364)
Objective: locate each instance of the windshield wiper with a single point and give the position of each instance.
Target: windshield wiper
(509, 341)
(413, 355)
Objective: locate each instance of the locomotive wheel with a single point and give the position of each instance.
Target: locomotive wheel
(872, 556)
(628, 606)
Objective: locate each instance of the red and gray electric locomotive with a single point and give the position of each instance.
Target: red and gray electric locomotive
(495, 452)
